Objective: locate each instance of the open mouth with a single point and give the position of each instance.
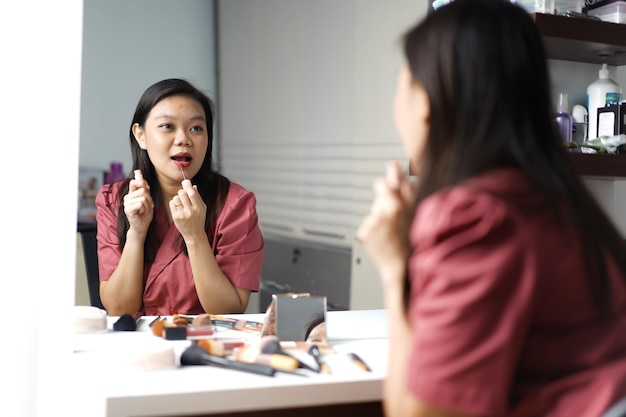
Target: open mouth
(183, 160)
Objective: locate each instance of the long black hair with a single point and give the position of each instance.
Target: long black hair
(212, 186)
(484, 69)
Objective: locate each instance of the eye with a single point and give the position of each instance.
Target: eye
(165, 126)
(197, 129)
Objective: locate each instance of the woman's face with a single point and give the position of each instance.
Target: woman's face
(411, 112)
(175, 136)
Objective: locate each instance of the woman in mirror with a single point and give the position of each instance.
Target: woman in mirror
(176, 236)
(503, 279)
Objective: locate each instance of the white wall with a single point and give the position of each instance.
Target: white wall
(127, 46)
(306, 92)
(39, 113)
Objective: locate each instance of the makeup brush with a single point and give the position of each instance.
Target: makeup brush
(358, 361)
(277, 361)
(195, 355)
(271, 344)
(314, 351)
(127, 323)
(158, 327)
(222, 347)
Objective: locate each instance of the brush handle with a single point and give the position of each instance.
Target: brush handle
(196, 355)
(314, 351)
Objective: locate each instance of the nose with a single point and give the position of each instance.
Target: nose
(181, 138)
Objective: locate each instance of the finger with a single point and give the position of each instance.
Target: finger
(182, 197)
(134, 207)
(395, 174)
(176, 203)
(363, 231)
(408, 193)
(137, 184)
(138, 174)
(383, 190)
(189, 190)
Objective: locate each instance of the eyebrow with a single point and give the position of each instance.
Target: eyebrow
(168, 116)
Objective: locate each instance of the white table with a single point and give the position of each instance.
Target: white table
(108, 383)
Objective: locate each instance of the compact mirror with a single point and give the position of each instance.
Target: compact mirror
(296, 317)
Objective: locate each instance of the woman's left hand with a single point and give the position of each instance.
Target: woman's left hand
(189, 211)
(384, 232)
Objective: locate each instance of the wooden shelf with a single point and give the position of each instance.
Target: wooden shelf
(594, 42)
(599, 165)
(582, 40)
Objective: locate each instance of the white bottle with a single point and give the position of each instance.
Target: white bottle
(600, 93)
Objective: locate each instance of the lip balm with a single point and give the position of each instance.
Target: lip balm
(183, 171)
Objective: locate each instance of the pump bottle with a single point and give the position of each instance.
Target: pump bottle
(601, 92)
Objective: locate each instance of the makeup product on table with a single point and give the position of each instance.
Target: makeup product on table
(196, 355)
(158, 327)
(270, 344)
(157, 318)
(171, 331)
(127, 323)
(314, 351)
(341, 363)
(236, 324)
(222, 321)
(179, 321)
(275, 360)
(358, 361)
(89, 319)
(186, 332)
(220, 347)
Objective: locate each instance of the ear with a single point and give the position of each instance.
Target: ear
(422, 103)
(140, 136)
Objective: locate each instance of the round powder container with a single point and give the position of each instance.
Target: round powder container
(88, 319)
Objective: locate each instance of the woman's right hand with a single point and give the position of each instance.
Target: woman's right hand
(384, 232)
(138, 204)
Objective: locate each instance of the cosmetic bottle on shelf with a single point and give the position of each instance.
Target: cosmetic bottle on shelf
(116, 173)
(601, 92)
(563, 119)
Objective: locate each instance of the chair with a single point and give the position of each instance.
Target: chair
(90, 251)
(617, 410)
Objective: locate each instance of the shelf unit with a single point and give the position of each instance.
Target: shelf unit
(590, 41)
(582, 40)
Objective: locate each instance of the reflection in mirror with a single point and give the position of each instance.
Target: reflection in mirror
(300, 317)
(316, 329)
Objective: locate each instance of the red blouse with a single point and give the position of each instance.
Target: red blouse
(504, 323)
(169, 287)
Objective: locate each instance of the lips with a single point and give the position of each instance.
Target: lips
(182, 159)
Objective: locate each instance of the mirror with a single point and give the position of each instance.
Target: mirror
(124, 50)
(274, 111)
(296, 318)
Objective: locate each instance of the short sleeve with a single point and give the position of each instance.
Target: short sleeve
(471, 299)
(108, 242)
(238, 242)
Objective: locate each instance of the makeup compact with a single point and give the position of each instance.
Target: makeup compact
(89, 319)
(295, 317)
